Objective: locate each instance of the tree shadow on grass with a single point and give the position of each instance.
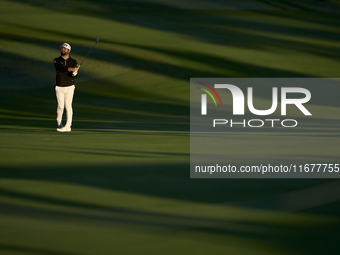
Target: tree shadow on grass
(212, 26)
(217, 29)
(36, 251)
(159, 181)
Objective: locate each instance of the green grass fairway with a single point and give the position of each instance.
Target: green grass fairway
(119, 182)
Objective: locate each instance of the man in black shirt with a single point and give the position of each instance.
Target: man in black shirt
(67, 70)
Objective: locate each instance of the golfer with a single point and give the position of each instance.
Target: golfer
(67, 70)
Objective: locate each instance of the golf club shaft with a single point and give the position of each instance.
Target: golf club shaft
(89, 52)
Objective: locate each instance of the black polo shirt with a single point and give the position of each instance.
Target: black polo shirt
(64, 77)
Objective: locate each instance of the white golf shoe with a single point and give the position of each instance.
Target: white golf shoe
(64, 129)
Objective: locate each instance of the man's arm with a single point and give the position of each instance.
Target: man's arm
(74, 69)
(60, 66)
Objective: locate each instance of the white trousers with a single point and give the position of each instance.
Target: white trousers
(64, 98)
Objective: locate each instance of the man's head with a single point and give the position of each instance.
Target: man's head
(65, 49)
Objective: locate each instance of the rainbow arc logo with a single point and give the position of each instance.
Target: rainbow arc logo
(204, 97)
(208, 92)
